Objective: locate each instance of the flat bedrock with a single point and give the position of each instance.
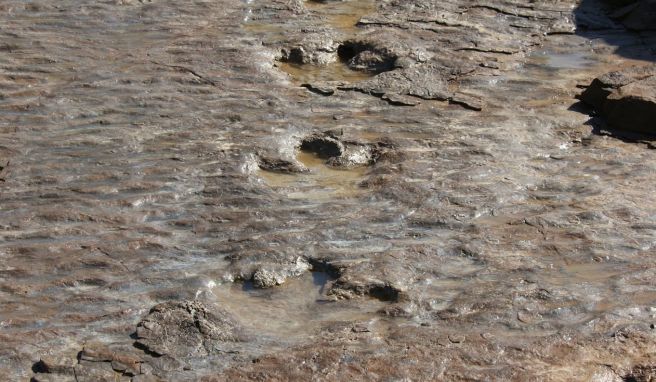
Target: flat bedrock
(327, 190)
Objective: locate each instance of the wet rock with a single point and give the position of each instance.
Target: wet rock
(626, 99)
(268, 277)
(264, 278)
(267, 268)
(355, 154)
(179, 329)
(314, 49)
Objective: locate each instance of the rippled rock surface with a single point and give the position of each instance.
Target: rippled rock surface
(325, 190)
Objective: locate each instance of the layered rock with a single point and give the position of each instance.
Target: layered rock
(625, 99)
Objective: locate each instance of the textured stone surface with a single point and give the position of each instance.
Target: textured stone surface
(625, 99)
(412, 180)
(183, 329)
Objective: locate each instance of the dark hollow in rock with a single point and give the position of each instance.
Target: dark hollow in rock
(323, 146)
(323, 266)
(183, 328)
(384, 292)
(39, 367)
(365, 57)
(341, 152)
(295, 56)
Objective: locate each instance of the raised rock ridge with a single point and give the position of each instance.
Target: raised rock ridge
(625, 99)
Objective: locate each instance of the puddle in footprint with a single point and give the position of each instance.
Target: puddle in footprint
(342, 16)
(335, 71)
(322, 182)
(295, 309)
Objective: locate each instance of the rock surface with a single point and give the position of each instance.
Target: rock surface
(183, 329)
(625, 99)
(325, 190)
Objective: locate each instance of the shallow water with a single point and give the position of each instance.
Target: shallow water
(322, 182)
(293, 310)
(335, 71)
(340, 16)
(580, 59)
